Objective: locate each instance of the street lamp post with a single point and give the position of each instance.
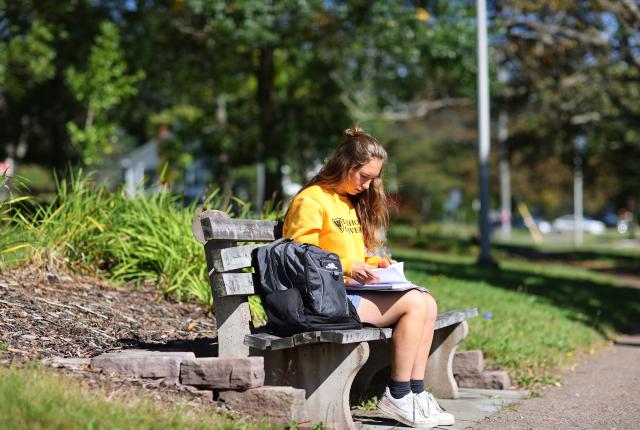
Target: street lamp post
(505, 177)
(483, 132)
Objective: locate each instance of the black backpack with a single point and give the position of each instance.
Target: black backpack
(302, 288)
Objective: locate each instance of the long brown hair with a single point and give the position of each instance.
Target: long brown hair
(371, 205)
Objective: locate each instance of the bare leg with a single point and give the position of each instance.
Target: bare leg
(409, 311)
(420, 362)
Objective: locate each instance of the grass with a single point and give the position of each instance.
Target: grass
(535, 318)
(34, 398)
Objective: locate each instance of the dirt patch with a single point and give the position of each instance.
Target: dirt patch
(47, 315)
(62, 315)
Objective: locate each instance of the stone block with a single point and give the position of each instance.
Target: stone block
(143, 364)
(468, 362)
(206, 395)
(470, 380)
(223, 373)
(490, 379)
(496, 379)
(278, 405)
(75, 363)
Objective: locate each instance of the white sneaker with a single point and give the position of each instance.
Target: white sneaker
(404, 410)
(430, 408)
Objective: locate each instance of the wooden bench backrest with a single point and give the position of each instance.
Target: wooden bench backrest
(225, 261)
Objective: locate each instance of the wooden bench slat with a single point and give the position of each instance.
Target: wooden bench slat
(353, 336)
(270, 341)
(227, 259)
(448, 318)
(232, 284)
(214, 228)
(306, 338)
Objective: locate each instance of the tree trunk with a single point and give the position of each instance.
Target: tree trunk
(268, 147)
(223, 160)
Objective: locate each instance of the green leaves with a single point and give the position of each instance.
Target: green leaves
(100, 88)
(27, 58)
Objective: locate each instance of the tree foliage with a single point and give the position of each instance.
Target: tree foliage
(100, 88)
(574, 69)
(240, 82)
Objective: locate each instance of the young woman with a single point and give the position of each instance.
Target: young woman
(343, 210)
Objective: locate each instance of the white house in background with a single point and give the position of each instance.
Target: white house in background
(141, 163)
(141, 168)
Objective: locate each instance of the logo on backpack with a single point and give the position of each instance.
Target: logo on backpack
(331, 266)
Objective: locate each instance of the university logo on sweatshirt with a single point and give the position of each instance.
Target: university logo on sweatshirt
(347, 225)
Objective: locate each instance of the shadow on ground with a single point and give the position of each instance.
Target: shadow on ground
(202, 347)
(600, 261)
(604, 305)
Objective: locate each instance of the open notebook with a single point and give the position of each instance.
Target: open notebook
(391, 279)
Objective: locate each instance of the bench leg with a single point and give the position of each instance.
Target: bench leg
(379, 358)
(325, 371)
(439, 374)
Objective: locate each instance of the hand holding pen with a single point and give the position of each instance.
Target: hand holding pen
(386, 261)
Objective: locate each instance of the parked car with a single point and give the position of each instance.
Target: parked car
(568, 223)
(543, 225)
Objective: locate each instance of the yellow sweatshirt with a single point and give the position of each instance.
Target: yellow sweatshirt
(324, 218)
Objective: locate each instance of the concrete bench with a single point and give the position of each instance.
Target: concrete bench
(323, 363)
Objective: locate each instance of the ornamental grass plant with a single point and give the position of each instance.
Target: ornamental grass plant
(98, 232)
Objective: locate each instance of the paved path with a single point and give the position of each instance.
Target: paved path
(472, 406)
(603, 392)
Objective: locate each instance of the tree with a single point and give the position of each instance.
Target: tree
(100, 88)
(574, 70)
(27, 61)
(42, 39)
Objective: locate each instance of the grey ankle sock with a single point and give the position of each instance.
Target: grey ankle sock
(417, 385)
(399, 389)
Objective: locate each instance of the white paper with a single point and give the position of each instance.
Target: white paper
(393, 274)
(386, 287)
(390, 279)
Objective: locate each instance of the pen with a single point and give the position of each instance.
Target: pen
(388, 258)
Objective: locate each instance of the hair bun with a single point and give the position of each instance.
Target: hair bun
(353, 131)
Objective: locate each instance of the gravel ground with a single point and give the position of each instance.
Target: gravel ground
(603, 392)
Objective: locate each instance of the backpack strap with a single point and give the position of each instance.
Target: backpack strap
(273, 258)
(284, 263)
